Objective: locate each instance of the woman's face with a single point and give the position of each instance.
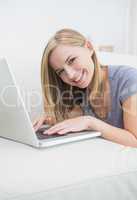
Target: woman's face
(73, 64)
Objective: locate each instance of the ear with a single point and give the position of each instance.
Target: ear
(88, 45)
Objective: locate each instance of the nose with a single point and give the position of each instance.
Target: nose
(71, 72)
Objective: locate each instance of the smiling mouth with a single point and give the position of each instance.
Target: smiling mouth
(80, 78)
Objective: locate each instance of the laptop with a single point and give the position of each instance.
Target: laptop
(15, 122)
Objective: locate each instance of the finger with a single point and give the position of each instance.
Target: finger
(63, 131)
(43, 120)
(53, 131)
(39, 124)
(35, 122)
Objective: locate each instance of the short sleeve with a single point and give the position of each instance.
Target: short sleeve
(128, 83)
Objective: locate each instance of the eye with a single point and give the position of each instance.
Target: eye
(71, 60)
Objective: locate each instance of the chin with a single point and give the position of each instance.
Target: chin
(84, 85)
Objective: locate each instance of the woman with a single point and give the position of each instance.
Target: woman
(81, 94)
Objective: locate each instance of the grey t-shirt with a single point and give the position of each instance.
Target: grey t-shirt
(123, 83)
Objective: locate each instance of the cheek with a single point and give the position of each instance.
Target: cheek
(84, 63)
(78, 65)
(65, 79)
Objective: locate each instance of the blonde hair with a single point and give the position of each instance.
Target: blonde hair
(51, 81)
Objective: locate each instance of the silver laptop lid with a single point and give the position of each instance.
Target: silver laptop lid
(15, 123)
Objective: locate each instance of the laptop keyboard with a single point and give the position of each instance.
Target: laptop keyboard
(42, 136)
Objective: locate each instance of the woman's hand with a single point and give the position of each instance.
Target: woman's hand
(42, 120)
(70, 125)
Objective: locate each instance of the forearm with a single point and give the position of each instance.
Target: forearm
(113, 133)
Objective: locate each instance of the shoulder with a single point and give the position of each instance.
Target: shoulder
(122, 71)
(125, 80)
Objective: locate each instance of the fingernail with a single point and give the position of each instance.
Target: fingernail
(45, 132)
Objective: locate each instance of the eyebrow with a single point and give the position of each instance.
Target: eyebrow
(67, 58)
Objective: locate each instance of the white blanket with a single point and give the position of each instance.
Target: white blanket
(90, 169)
